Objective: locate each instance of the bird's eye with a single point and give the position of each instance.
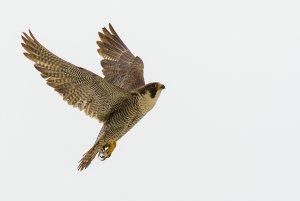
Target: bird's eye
(154, 85)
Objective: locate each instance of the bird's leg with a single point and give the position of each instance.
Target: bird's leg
(107, 150)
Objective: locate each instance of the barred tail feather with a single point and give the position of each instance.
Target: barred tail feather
(89, 156)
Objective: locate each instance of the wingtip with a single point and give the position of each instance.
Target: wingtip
(30, 33)
(99, 43)
(30, 56)
(26, 54)
(25, 36)
(104, 30)
(111, 28)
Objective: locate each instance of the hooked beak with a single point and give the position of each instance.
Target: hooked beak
(162, 86)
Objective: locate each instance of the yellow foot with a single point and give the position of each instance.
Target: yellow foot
(107, 151)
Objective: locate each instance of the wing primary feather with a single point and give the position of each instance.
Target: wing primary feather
(120, 66)
(108, 41)
(117, 36)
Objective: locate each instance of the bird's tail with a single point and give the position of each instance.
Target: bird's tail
(89, 156)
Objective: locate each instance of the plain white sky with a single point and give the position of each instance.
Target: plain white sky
(226, 129)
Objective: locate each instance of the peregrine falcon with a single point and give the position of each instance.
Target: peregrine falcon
(119, 100)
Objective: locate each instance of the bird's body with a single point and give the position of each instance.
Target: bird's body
(119, 100)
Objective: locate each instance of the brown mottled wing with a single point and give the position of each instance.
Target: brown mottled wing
(78, 86)
(120, 66)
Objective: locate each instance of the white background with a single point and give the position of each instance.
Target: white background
(226, 127)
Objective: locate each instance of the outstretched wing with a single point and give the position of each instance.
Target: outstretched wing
(120, 66)
(78, 86)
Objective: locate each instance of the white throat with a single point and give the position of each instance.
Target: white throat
(148, 101)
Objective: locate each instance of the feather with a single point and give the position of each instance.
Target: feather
(120, 66)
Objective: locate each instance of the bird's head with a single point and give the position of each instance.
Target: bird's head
(152, 89)
(150, 93)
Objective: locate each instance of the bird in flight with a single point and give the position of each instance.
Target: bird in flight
(119, 100)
